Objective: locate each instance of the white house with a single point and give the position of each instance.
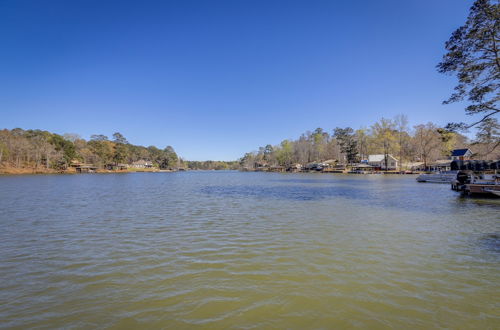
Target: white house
(378, 161)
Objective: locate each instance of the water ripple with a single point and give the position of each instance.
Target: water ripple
(245, 250)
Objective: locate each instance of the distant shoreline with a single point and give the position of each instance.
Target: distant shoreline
(12, 171)
(30, 170)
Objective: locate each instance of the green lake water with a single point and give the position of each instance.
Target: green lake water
(245, 250)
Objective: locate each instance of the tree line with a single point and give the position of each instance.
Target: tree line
(212, 165)
(424, 143)
(42, 149)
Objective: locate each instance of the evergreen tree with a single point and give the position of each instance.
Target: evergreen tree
(473, 56)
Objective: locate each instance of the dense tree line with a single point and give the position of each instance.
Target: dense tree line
(421, 143)
(37, 148)
(212, 165)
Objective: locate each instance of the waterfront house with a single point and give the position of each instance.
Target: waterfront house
(379, 162)
(461, 154)
(141, 164)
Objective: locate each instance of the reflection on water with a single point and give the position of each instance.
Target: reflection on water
(229, 249)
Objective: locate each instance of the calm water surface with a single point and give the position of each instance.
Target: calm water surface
(245, 250)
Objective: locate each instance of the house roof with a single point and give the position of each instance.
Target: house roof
(459, 152)
(378, 158)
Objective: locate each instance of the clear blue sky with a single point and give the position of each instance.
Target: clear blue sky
(216, 79)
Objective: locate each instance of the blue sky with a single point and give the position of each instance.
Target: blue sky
(216, 79)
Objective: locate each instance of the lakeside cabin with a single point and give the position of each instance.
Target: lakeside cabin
(461, 154)
(378, 162)
(442, 165)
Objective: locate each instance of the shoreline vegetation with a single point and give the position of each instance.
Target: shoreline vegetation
(388, 146)
(9, 170)
(42, 152)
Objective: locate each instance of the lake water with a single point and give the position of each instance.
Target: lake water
(245, 250)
